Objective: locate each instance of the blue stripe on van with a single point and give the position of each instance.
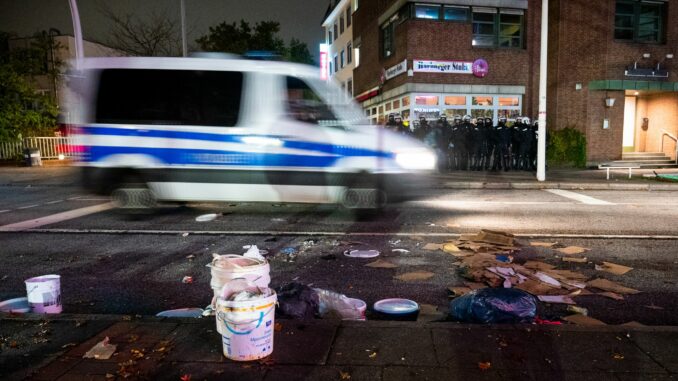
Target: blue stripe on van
(175, 156)
(294, 144)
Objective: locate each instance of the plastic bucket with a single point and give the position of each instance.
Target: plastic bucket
(246, 327)
(252, 269)
(44, 294)
(360, 306)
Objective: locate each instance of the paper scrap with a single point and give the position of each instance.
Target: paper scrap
(450, 248)
(400, 251)
(583, 320)
(536, 287)
(613, 268)
(607, 285)
(611, 295)
(572, 250)
(575, 259)
(542, 244)
(414, 276)
(556, 299)
(103, 350)
(381, 264)
(547, 279)
(475, 285)
(433, 246)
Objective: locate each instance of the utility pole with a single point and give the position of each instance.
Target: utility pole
(184, 45)
(77, 33)
(543, 62)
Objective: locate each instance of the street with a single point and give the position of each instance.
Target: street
(113, 263)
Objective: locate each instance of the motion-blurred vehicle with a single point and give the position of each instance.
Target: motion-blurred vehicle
(238, 130)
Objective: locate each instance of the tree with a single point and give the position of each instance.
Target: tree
(155, 35)
(240, 38)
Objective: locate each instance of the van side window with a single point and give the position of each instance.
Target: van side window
(304, 105)
(179, 97)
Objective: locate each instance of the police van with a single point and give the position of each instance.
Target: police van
(237, 130)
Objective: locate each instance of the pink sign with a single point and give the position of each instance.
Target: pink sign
(480, 68)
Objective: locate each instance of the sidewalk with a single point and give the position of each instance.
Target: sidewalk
(166, 349)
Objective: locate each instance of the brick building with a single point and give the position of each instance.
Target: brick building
(481, 57)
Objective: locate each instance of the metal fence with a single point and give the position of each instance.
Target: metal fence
(50, 148)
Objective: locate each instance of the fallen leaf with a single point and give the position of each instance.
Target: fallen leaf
(583, 320)
(607, 285)
(542, 244)
(618, 356)
(13, 344)
(381, 264)
(613, 268)
(572, 250)
(184, 235)
(414, 276)
(611, 295)
(68, 345)
(484, 365)
(277, 327)
(344, 375)
(189, 257)
(110, 376)
(373, 355)
(433, 246)
(575, 259)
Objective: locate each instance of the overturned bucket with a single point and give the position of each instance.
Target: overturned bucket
(247, 327)
(225, 268)
(44, 294)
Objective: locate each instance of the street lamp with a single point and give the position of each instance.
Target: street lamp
(77, 33)
(184, 45)
(541, 142)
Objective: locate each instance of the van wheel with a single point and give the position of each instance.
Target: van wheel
(133, 195)
(364, 196)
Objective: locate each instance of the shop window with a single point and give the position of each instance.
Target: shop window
(478, 113)
(455, 100)
(341, 24)
(508, 114)
(388, 106)
(482, 101)
(349, 53)
(381, 111)
(430, 12)
(509, 101)
(396, 104)
(428, 100)
(451, 113)
(388, 39)
(348, 17)
(406, 101)
(374, 111)
(451, 13)
(639, 20)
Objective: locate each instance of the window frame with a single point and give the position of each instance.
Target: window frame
(349, 16)
(388, 29)
(341, 23)
(342, 58)
(497, 35)
(636, 24)
(349, 52)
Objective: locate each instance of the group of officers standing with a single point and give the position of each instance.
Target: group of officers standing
(476, 144)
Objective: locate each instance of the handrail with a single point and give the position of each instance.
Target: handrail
(674, 138)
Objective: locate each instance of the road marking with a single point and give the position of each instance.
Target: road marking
(4, 211)
(334, 233)
(54, 202)
(28, 206)
(584, 199)
(54, 218)
(449, 203)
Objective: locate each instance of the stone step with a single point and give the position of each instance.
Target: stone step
(639, 162)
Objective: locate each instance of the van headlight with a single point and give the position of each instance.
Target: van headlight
(420, 159)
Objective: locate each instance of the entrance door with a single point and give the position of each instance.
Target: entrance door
(629, 124)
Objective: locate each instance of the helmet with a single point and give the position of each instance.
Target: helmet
(443, 117)
(457, 117)
(502, 119)
(519, 119)
(467, 118)
(488, 121)
(526, 120)
(422, 118)
(398, 118)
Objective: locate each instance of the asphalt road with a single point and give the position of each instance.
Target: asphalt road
(113, 263)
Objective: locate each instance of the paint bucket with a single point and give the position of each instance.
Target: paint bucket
(396, 309)
(225, 268)
(15, 306)
(247, 327)
(360, 306)
(44, 294)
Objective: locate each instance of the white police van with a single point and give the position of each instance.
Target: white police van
(205, 129)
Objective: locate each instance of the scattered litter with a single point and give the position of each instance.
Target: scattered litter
(547, 279)
(450, 248)
(583, 320)
(187, 279)
(15, 306)
(536, 287)
(458, 291)
(633, 324)
(334, 303)
(184, 235)
(428, 313)
(190, 257)
(185, 377)
(103, 350)
(433, 246)
(253, 252)
(541, 321)
(575, 259)
(493, 306)
(361, 253)
(381, 264)
(475, 285)
(611, 295)
(396, 309)
(207, 217)
(182, 313)
(572, 250)
(453, 225)
(484, 365)
(505, 258)
(607, 285)
(277, 220)
(404, 251)
(394, 242)
(578, 310)
(653, 307)
(542, 244)
(613, 268)
(344, 375)
(540, 266)
(297, 301)
(288, 250)
(556, 299)
(414, 276)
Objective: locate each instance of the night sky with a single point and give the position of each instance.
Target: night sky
(298, 18)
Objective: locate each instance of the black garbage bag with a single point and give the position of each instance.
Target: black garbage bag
(297, 301)
(494, 306)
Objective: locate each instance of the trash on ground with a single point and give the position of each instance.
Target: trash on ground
(15, 306)
(253, 252)
(556, 299)
(572, 250)
(182, 313)
(547, 279)
(381, 264)
(184, 234)
(611, 295)
(433, 246)
(428, 313)
(542, 244)
(607, 285)
(633, 324)
(613, 268)
(187, 279)
(44, 294)
(536, 265)
(494, 306)
(575, 259)
(484, 365)
(396, 309)
(578, 310)
(458, 291)
(207, 217)
(404, 251)
(288, 251)
(394, 242)
(583, 320)
(450, 248)
(361, 253)
(414, 276)
(227, 267)
(297, 301)
(332, 303)
(103, 350)
(653, 307)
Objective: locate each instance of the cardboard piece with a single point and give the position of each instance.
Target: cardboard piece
(450, 248)
(536, 265)
(611, 295)
(542, 244)
(536, 287)
(613, 268)
(433, 246)
(495, 237)
(414, 276)
(583, 320)
(103, 350)
(575, 259)
(556, 299)
(475, 285)
(381, 264)
(607, 285)
(459, 291)
(572, 250)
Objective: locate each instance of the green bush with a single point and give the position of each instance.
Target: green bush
(566, 148)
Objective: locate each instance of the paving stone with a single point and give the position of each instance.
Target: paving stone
(195, 343)
(93, 367)
(82, 377)
(401, 373)
(557, 376)
(310, 373)
(393, 346)
(302, 344)
(113, 332)
(55, 368)
(173, 371)
(663, 348)
(646, 377)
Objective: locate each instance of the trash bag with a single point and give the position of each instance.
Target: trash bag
(297, 301)
(337, 304)
(494, 306)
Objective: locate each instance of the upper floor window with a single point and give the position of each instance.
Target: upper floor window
(452, 13)
(431, 12)
(329, 36)
(348, 16)
(336, 34)
(341, 58)
(639, 20)
(388, 39)
(341, 23)
(493, 28)
(349, 53)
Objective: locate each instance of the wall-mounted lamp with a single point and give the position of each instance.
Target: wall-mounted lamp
(645, 55)
(636, 93)
(609, 102)
(667, 57)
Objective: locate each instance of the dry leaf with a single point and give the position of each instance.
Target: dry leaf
(575, 259)
(542, 244)
(613, 268)
(344, 375)
(618, 356)
(373, 355)
(414, 276)
(484, 365)
(607, 285)
(572, 250)
(583, 320)
(381, 264)
(433, 246)
(277, 327)
(633, 324)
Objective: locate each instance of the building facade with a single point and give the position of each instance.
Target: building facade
(342, 56)
(481, 57)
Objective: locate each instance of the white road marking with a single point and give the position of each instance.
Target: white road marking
(54, 202)
(28, 206)
(4, 211)
(449, 203)
(54, 218)
(335, 233)
(584, 199)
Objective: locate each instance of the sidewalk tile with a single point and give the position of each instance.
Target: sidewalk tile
(93, 367)
(303, 344)
(558, 376)
(393, 346)
(195, 343)
(250, 371)
(82, 377)
(116, 331)
(311, 373)
(402, 373)
(56, 368)
(646, 377)
(663, 347)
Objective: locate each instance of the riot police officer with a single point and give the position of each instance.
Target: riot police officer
(391, 124)
(400, 127)
(476, 140)
(487, 145)
(515, 141)
(423, 128)
(533, 146)
(463, 138)
(526, 137)
(502, 154)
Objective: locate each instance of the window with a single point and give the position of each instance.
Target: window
(349, 87)
(341, 23)
(431, 12)
(356, 53)
(510, 29)
(428, 100)
(509, 101)
(388, 106)
(482, 101)
(484, 27)
(396, 104)
(303, 104)
(329, 36)
(478, 113)
(451, 13)
(336, 64)
(348, 16)
(406, 101)
(341, 58)
(178, 97)
(336, 34)
(455, 100)
(330, 67)
(388, 40)
(639, 20)
(349, 53)
(492, 29)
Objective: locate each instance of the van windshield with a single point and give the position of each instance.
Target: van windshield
(314, 101)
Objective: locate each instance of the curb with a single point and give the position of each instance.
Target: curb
(554, 185)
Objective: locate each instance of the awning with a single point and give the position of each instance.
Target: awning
(371, 93)
(618, 84)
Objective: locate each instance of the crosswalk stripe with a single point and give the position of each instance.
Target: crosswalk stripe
(54, 218)
(582, 198)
